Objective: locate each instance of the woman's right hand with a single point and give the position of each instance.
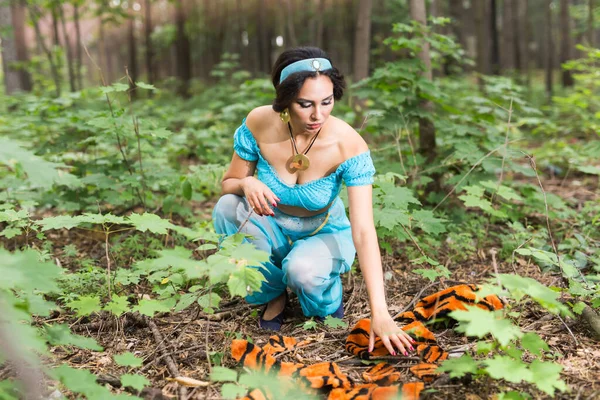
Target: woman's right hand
(259, 196)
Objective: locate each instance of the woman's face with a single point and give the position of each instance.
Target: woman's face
(310, 110)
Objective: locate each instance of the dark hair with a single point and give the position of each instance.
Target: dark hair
(287, 90)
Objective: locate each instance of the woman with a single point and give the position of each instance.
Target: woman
(292, 209)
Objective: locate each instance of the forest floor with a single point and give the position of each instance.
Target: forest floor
(191, 337)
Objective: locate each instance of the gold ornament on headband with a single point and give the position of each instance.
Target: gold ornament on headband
(285, 116)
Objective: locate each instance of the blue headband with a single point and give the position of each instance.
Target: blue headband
(309, 64)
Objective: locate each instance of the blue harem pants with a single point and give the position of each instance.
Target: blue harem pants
(308, 254)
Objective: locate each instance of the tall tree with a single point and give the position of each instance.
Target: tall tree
(457, 13)
(148, 37)
(590, 24)
(549, 64)
(78, 60)
(35, 17)
(12, 79)
(482, 37)
(289, 24)
(493, 23)
(426, 128)
(566, 42)
(132, 65)
(264, 58)
(522, 42)
(362, 40)
(54, 4)
(184, 59)
(319, 18)
(14, 49)
(68, 47)
(508, 35)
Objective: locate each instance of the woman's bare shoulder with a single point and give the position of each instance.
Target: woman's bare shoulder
(350, 142)
(259, 119)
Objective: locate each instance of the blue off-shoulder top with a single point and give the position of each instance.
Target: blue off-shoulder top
(314, 195)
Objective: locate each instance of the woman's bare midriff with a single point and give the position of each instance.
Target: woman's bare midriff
(299, 211)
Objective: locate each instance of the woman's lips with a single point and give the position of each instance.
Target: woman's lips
(313, 126)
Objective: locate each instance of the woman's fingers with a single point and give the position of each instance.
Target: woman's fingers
(388, 345)
(371, 341)
(272, 199)
(265, 206)
(398, 343)
(405, 337)
(255, 204)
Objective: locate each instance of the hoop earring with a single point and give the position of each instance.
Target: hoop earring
(285, 116)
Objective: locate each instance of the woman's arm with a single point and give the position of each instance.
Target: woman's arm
(239, 179)
(237, 171)
(367, 248)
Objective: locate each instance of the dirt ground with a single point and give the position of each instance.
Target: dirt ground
(191, 337)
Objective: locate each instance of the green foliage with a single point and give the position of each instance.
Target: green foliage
(128, 360)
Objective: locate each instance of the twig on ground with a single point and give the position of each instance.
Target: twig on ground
(510, 110)
(495, 265)
(159, 358)
(413, 240)
(171, 366)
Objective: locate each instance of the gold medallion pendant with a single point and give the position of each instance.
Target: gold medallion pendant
(300, 162)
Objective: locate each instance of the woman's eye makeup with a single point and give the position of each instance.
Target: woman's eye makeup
(307, 105)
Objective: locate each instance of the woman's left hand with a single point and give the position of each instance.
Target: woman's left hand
(390, 333)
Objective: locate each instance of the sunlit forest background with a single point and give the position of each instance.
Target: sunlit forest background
(116, 126)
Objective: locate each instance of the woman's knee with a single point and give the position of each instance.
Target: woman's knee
(302, 274)
(227, 206)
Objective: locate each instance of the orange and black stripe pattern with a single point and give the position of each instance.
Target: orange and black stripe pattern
(327, 378)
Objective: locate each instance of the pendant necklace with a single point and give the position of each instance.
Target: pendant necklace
(299, 161)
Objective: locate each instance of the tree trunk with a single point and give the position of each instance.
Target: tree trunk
(318, 40)
(495, 54)
(522, 42)
(68, 48)
(362, 40)
(132, 68)
(244, 38)
(457, 12)
(590, 23)
(549, 47)
(184, 61)
(14, 48)
(53, 10)
(508, 36)
(482, 36)
(12, 79)
(263, 38)
(426, 128)
(78, 46)
(42, 44)
(566, 44)
(149, 47)
(102, 51)
(289, 18)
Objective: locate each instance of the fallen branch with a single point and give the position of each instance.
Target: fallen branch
(593, 320)
(171, 366)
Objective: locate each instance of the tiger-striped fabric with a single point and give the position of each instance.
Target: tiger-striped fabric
(381, 379)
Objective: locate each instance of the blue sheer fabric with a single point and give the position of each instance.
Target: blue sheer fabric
(314, 195)
(308, 263)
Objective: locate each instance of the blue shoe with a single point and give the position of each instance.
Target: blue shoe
(275, 323)
(339, 313)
